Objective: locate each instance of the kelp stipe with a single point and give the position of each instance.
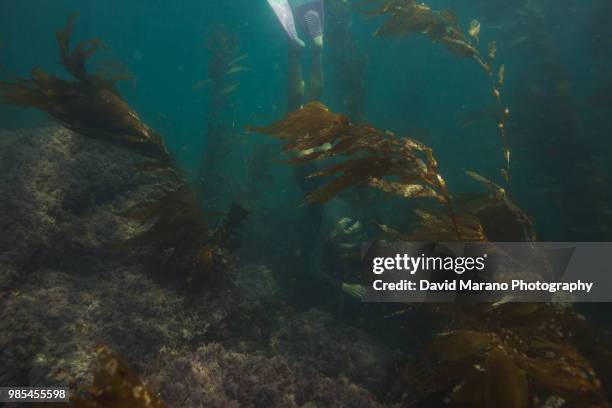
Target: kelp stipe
(503, 112)
(89, 104)
(224, 69)
(230, 234)
(405, 17)
(225, 62)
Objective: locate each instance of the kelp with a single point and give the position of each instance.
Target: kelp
(225, 64)
(230, 234)
(115, 385)
(374, 158)
(503, 116)
(89, 104)
(176, 237)
(511, 355)
(314, 133)
(480, 217)
(172, 226)
(503, 365)
(498, 196)
(398, 166)
(436, 226)
(440, 227)
(405, 17)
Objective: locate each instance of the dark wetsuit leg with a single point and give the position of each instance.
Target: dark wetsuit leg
(310, 17)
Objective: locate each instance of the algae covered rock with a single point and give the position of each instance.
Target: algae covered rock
(216, 378)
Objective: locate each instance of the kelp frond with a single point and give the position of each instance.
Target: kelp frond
(507, 365)
(225, 63)
(176, 234)
(89, 104)
(116, 386)
(225, 59)
(517, 215)
(404, 17)
(175, 217)
(441, 228)
(75, 60)
(400, 166)
(314, 133)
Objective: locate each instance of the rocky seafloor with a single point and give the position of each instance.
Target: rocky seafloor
(64, 290)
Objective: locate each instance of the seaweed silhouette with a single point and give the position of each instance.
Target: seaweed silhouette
(89, 104)
(225, 65)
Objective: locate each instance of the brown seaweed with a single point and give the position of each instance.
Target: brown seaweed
(513, 214)
(441, 228)
(404, 17)
(177, 236)
(89, 104)
(116, 386)
(230, 234)
(75, 61)
(508, 369)
(225, 64)
(399, 166)
(173, 226)
(508, 353)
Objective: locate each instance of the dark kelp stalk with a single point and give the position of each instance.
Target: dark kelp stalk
(225, 65)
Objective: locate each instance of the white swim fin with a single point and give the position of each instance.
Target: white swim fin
(284, 13)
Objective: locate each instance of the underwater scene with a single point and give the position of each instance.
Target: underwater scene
(190, 193)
